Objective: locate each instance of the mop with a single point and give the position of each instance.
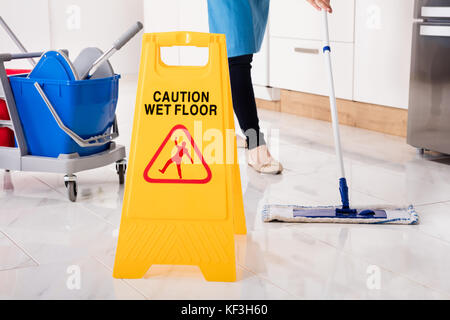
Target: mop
(344, 213)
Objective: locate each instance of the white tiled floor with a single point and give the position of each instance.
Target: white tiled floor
(43, 236)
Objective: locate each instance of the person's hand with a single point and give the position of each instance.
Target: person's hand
(321, 4)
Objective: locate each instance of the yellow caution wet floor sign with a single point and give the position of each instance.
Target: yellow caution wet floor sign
(183, 198)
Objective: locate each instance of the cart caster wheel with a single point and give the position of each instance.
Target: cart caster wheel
(121, 168)
(72, 190)
(70, 181)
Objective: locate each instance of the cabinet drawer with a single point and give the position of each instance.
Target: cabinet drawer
(383, 34)
(298, 19)
(299, 65)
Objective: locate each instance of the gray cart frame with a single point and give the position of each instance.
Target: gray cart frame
(18, 158)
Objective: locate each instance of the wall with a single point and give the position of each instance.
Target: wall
(73, 24)
(178, 15)
(31, 26)
(79, 24)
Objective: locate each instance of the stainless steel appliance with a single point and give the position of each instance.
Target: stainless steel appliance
(429, 100)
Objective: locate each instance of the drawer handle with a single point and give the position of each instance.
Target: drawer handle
(436, 12)
(434, 31)
(306, 50)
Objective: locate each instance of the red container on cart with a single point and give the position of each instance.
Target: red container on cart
(7, 137)
(11, 72)
(3, 110)
(6, 134)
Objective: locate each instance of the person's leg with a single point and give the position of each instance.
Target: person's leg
(244, 103)
(179, 170)
(165, 166)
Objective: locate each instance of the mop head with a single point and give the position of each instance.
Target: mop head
(294, 213)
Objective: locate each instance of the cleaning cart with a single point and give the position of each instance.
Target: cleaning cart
(60, 126)
(53, 120)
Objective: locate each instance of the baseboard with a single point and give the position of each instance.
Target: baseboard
(268, 105)
(373, 117)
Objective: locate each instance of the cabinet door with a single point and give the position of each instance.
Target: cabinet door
(260, 65)
(383, 33)
(299, 65)
(298, 19)
(29, 20)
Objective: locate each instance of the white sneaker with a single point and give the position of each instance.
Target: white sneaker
(261, 160)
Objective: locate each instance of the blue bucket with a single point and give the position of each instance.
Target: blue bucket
(87, 107)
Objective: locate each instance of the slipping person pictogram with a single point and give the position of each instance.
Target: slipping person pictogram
(177, 158)
(193, 174)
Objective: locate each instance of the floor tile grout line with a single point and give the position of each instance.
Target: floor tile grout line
(242, 266)
(349, 255)
(370, 195)
(435, 237)
(18, 268)
(79, 204)
(358, 257)
(19, 247)
(359, 163)
(427, 233)
(123, 280)
(102, 218)
(268, 280)
(431, 203)
(96, 214)
(309, 235)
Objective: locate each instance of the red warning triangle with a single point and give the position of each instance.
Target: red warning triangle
(180, 180)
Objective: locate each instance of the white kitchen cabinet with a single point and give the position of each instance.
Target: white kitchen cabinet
(260, 65)
(296, 35)
(383, 51)
(299, 65)
(298, 19)
(29, 20)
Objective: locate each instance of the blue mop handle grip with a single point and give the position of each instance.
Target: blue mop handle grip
(343, 189)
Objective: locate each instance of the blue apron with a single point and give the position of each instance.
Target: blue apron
(242, 21)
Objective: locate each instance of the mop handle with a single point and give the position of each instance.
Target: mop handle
(333, 107)
(117, 45)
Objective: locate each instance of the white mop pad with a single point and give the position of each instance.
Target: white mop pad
(285, 213)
